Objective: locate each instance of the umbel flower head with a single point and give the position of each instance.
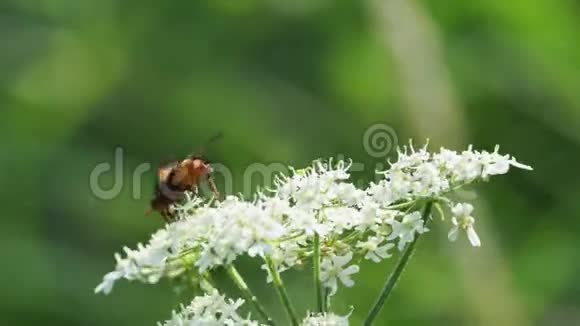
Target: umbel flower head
(318, 205)
(211, 309)
(214, 309)
(325, 319)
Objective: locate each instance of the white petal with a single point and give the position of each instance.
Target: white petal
(519, 165)
(502, 166)
(342, 260)
(453, 233)
(415, 216)
(372, 256)
(454, 220)
(457, 210)
(401, 245)
(462, 209)
(347, 281)
(467, 209)
(352, 269)
(345, 275)
(393, 235)
(331, 284)
(108, 281)
(473, 237)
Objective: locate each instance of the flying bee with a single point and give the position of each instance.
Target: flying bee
(189, 173)
(175, 179)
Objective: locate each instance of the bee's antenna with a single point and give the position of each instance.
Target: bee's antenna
(214, 138)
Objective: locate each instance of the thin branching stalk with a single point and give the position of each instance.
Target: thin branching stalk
(248, 294)
(284, 298)
(396, 274)
(326, 299)
(316, 267)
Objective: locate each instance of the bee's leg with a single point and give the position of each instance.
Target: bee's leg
(166, 216)
(213, 187)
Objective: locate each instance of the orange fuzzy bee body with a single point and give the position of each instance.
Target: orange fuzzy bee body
(176, 178)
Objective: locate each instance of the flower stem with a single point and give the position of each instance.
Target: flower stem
(396, 274)
(316, 268)
(284, 298)
(326, 299)
(206, 282)
(248, 294)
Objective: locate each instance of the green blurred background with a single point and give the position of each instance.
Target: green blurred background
(287, 81)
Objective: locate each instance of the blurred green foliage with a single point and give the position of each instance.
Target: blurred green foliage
(285, 81)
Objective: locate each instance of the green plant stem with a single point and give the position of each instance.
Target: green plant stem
(396, 274)
(284, 298)
(401, 205)
(206, 282)
(248, 294)
(326, 299)
(316, 268)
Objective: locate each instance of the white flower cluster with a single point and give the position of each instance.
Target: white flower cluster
(325, 319)
(211, 309)
(318, 201)
(419, 173)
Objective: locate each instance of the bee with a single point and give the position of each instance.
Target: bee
(177, 178)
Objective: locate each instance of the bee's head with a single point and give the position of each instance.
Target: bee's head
(200, 165)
